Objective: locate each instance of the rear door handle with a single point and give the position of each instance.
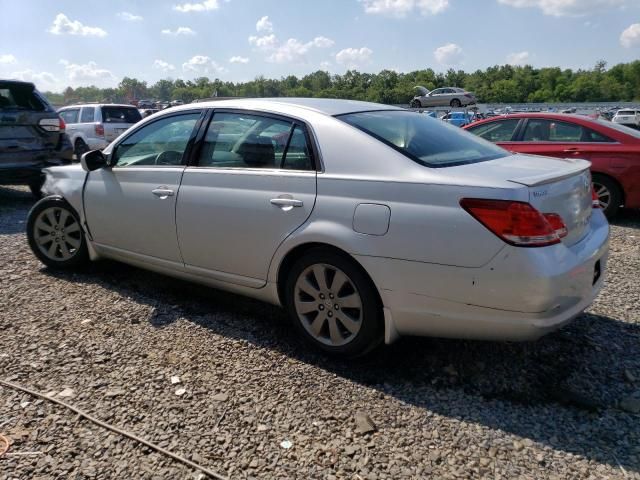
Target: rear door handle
(162, 192)
(286, 202)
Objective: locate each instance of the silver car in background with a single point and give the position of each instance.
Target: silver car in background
(364, 221)
(442, 97)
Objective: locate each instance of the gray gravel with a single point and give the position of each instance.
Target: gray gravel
(109, 340)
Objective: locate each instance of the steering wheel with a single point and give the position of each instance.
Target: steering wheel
(169, 157)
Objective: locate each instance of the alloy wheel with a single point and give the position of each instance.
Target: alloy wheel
(328, 304)
(57, 234)
(603, 194)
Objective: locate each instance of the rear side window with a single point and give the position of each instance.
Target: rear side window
(70, 116)
(120, 115)
(88, 113)
(499, 131)
(553, 131)
(593, 136)
(430, 142)
(20, 97)
(237, 140)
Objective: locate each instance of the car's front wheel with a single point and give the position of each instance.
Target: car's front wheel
(334, 304)
(415, 103)
(455, 103)
(55, 235)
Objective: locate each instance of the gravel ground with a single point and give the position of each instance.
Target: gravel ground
(109, 340)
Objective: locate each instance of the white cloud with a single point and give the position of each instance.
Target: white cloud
(263, 43)
(354, 57)
(130, 17)
(63, 25)
(518, 58)
(561, 8)
(631, 36)
(325, 65)
(42, 80)
(294, 51)
(7, 59)
(264, 25)
(178, 31)
(202, 65)
(87, 73)
(449, 54)
(164, 66)
(205, 6)
(323, 42)
(402, 8)
(238, 59)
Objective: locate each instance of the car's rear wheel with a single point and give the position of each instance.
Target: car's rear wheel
(334, 304)
(55, 235)
(609, 194)
(415, 103)
(36, 187)
(455, 103)
(80, 148)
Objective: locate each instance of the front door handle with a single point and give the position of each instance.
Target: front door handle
(286, 203)
(162, 192)
(572, 150)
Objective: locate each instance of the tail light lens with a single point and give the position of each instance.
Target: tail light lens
(99, 129)
(516, 223)
(51, 124)
(63, 125)
(595, 202)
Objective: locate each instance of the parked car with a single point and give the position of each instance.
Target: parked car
(459, 119)
(612, 149)
(365, 221)
(145, 104)
(32, 136)
(442, 97)
(93, 126)
(144, 113)
(627, 117)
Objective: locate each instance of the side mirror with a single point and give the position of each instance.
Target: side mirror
(94, 160)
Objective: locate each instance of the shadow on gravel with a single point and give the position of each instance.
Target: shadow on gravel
(627, 218)
(15, 203)
(560, 391)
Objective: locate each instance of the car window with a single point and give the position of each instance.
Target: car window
(20, 97)
(236, 140)
(437, 91)
(87, 114)
(593, 136)
(498, 131)
(160, 143)
(430, 142)
(120, 115)
(626, 112)
(70, 116)
(540, 130)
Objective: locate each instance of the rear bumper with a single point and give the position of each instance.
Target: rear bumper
(22, 168)
(521, 294)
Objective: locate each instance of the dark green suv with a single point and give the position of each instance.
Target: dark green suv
(32, 136)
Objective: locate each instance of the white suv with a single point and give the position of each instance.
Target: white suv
(628, 117)
(93, 126)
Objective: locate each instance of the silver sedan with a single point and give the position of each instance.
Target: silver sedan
(365, 222)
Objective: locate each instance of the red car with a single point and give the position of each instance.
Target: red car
(613, 150)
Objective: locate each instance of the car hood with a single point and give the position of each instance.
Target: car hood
(421, 90)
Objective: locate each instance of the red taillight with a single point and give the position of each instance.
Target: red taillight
(517, 223)
(595, 202)
(63, 126)
(99, 129)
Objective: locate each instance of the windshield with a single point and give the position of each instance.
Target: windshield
(426, 140)
(621, 128)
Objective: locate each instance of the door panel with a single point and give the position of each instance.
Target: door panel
(123, 212)
(231, 221)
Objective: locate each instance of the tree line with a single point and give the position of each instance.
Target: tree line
(497, 84)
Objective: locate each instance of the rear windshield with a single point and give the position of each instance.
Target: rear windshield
(426, 140)
(626, 112)
(120, 115)
(20, 97)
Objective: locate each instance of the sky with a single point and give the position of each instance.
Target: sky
(86, 42)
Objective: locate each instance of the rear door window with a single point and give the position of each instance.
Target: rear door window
(87, 115)
(120, 115)
(540, 130)
(499, 131)
(70, 115)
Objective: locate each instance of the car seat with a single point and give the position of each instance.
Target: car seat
(257, 152)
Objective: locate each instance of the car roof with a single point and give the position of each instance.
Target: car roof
(80, 105)
(16, 82)
(326, 106)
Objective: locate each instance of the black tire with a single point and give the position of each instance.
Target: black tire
(80, 148)
(609, 192)
(76, 256)
(415, 103)
(455, 103)
(371, 323)
(36, 187)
